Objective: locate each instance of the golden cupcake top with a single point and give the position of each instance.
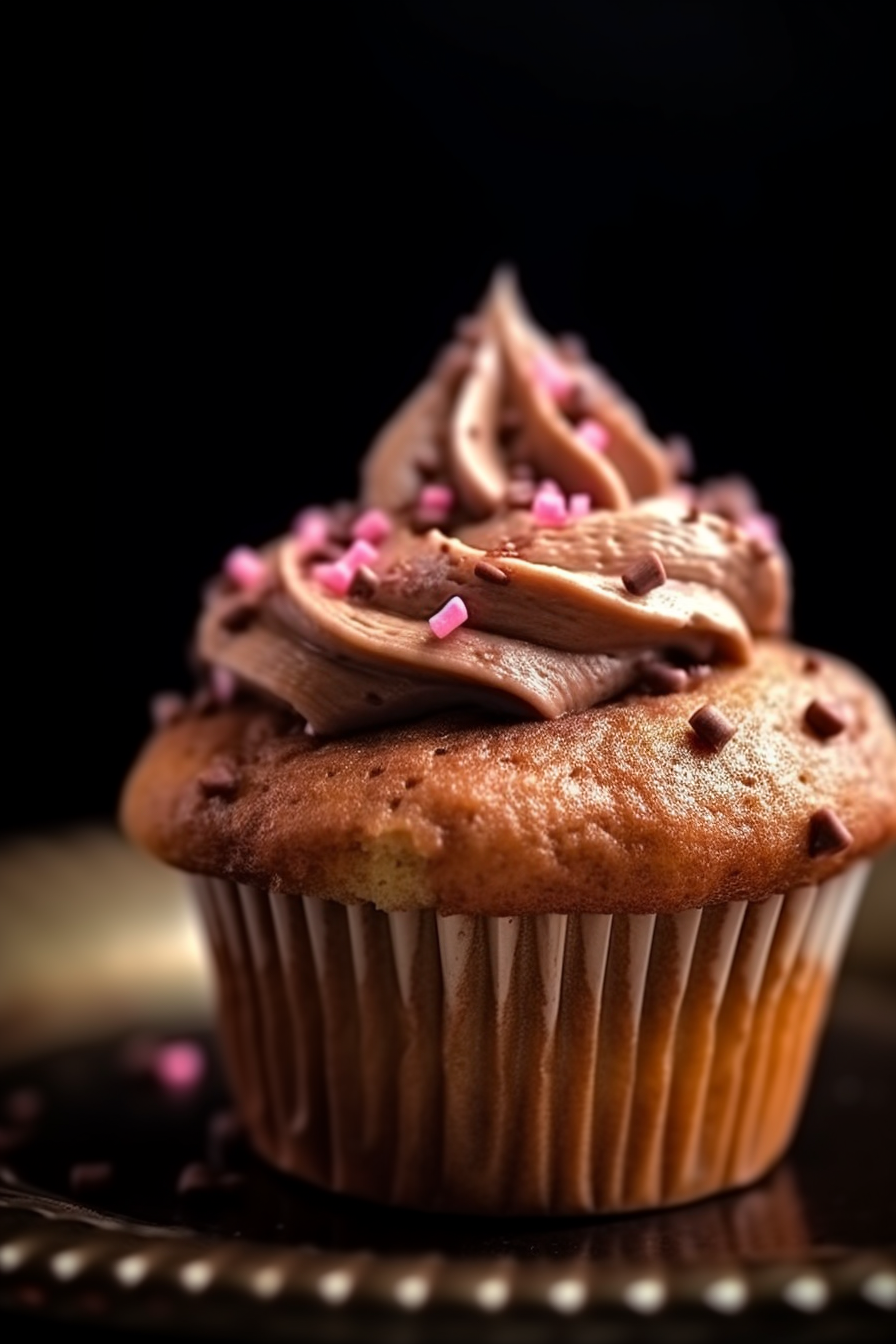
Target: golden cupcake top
(531, 668)
(764, 777)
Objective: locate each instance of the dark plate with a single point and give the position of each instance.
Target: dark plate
(247, 1253)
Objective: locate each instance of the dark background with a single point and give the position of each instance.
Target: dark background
(295, 206)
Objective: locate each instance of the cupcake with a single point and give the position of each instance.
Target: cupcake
(526, 838)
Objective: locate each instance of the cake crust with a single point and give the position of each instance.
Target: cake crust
(629, 807)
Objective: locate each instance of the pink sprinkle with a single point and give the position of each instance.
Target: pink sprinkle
(336, 577)
(373, 525)
(549, 508)
(552, 377)
(245, 567)
(223, 685)
(762, 526)
(179, 1065)
(593, 434)
(549, 487)
(166, 707)
(453, 614)
(436, 499)
(359, 553)
(579, 505)
(312, 527)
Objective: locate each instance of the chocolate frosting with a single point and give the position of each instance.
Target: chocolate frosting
(554, 623)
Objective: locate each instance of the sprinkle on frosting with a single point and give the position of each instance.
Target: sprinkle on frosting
(453, 614)
(552, 377)
(644, 574)
(166, 707)
(711, 726)
(484, 569)
(312, 528)
(364, 583)
(549, 506)
(245, 567)
(827, 833)
(336, 576)
(437, 499)
(219, 780)
(372, 525)
(593, 434)
(664, 679)
(824, 718)
(223, 685)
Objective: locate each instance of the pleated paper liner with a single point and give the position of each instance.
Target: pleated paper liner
(553, 1064)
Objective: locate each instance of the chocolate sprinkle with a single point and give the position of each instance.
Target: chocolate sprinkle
(89, 1175)
(490, 573)
(824, 718)
(644, 574)
(219, 780)
(577, 403)
(811, 663)
(711, 727)
(827, 833)
(365, 583)
(664, 679)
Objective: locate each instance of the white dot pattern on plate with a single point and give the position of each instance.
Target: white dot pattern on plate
(67, 1264)
(728, 1295)
(412, 1291)
(568, 1295)
(336, 1286)
(492, 1294)
(196, 1275)
(645, 1295)
(807, 1292)
(880, 1289)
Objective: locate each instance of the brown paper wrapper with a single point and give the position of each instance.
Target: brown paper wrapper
(551, 1064)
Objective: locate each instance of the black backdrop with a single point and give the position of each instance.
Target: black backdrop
(295, 205)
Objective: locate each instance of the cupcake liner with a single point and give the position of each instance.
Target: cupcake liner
(554, 1064)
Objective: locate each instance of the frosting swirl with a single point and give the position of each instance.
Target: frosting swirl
(520, 491)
